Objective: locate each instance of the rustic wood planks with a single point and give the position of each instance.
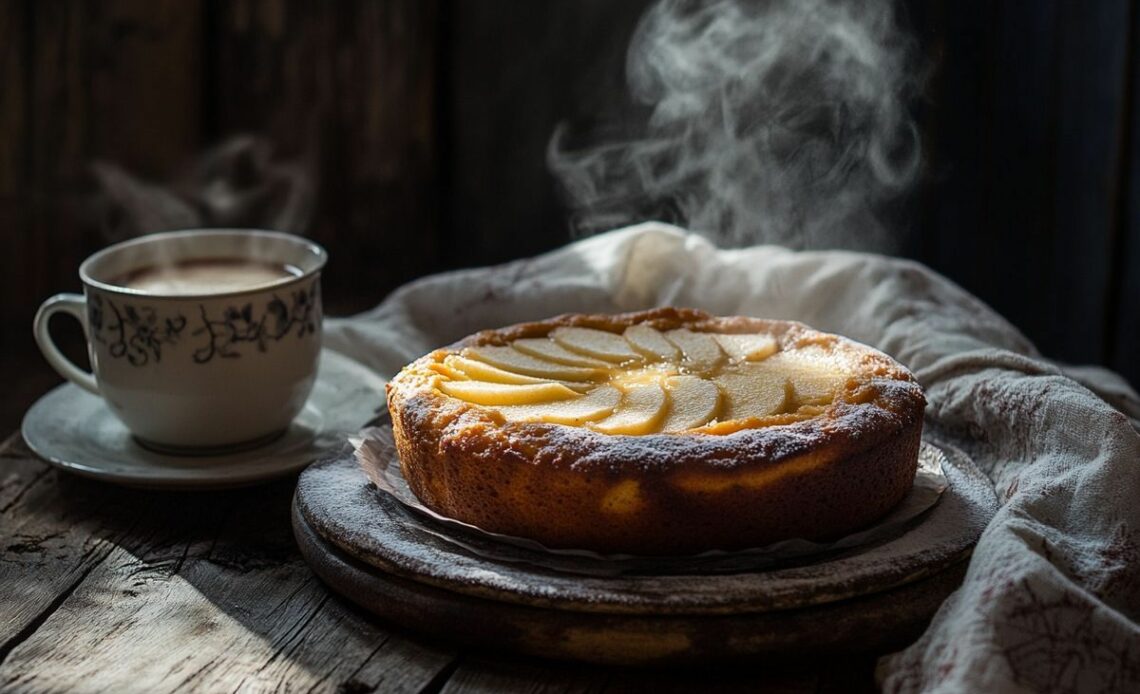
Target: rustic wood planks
(111, 589)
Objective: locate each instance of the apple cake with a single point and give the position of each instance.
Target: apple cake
(662, 432)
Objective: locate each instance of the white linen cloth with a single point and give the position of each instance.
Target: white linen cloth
(1052, 595)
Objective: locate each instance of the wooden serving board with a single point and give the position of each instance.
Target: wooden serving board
(414, 571)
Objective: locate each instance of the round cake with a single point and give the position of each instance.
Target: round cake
(663, 432)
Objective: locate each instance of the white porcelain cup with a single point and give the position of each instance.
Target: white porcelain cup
(202, 372)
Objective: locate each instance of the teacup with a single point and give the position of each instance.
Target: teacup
(200, 340)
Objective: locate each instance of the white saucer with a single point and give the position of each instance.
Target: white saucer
(75, 431)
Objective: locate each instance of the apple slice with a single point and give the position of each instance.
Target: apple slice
(641, 409)
(815, 376)
(448, 370)
(596, 343)
(482, 371)
(751, 394)
(700, 349)
(483, 393)
(693, 402)
(511, 359)
(552, 351)
(592, 406)
(651, 343)
(752, 347)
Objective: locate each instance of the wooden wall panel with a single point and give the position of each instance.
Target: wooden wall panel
(1093, 92)
(349, 90)
(1124, 348)
(949, 148)
(145, 77)
(1014, 180)
(14, 228)
(57, 134)
(986, 219)
(422, 126)
(13, 98)
(517, 69)
(115, 79)
(1025, 132)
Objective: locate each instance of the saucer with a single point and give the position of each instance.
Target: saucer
(75, 431)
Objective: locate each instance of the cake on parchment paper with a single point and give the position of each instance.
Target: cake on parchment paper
(668, 431)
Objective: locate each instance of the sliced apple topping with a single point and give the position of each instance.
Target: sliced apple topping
(747, 347)
(651, 343)
(446, 369)
(482, 393)
(511, 359)
(693, 402)
(473, 369)
(751, 395)
(482, 371)
(815, 377)
(644, 380)
(595, 405)
(701, 351)
(640, 411)
(596, 343)
(552, 351)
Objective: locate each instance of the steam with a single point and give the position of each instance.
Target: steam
(781, 121)
(240, 183)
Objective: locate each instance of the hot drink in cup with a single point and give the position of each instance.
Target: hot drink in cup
(199, 340)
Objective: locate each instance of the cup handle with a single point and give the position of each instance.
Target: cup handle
(73, 305)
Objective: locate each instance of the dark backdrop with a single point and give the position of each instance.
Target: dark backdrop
(421, 126)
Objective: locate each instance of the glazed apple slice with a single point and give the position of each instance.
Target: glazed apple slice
(701, 350)
(815, 376)
(462, 367)
(751, 394)
(552, 351)
(753, 347)
(595, 405)
(640, 411)
(651, 343)
(447, 369)
(483, 393)
(596, 343)
(510, 359)
(692, 402)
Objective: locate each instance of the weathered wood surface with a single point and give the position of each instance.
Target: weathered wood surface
(109, 589)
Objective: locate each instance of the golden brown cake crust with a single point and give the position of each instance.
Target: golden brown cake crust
(781, 477)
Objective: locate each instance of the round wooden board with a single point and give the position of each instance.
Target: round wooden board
(871, 624)
(401, 566)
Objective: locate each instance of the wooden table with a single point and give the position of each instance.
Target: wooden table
(110, 589)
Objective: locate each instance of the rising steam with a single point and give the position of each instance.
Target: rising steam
(781, 121)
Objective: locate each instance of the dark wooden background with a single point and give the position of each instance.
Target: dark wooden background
(423, 125)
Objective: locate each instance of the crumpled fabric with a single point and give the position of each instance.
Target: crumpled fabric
(1051, 598)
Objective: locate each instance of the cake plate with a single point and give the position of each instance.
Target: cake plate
(405, 568)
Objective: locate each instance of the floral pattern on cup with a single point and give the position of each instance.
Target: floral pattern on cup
(138, 333)
(240, 325)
